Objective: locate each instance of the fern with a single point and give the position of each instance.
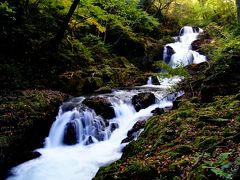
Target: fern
(99, 27)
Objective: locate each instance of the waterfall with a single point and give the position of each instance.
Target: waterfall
(149, 81)
(60, 161)
(180, 53)
(81, 140)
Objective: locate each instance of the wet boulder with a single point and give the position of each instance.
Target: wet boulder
(68, 106)
(89, 140)
(133, 133)
(168, 52)
(113, 126)
(70, 134)
(196, 29)
(158, 111)
(143, 100)
(196, 45)
(101, 106)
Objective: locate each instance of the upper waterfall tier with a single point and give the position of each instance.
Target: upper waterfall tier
(180, 53)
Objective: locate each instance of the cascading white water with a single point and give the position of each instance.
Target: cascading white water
(97, 144)
(89, 127)
(149, 81)
(60, 162)
(180, 53)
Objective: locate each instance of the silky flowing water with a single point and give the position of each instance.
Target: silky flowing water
(98, 144)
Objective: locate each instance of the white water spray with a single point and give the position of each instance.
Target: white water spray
(180, 53)
(60, 162)
(149, 81)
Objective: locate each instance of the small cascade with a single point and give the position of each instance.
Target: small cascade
(78, 126)
(180, 53)
(80, 141)
(149, 81)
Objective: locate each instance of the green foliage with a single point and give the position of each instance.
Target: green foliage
(103, 15)
(221, 167)
(202, 13)
(169, 71)
(228, 46)
(6, 10)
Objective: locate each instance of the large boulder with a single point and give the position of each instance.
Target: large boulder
(70, 134)
(143, 100)
(101, 106)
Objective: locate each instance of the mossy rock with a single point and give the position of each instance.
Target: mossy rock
(143, 100)
(101, 106)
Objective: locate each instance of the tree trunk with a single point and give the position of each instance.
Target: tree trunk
(238, 10)
(64, 26)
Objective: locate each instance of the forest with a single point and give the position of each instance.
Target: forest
(52, 50)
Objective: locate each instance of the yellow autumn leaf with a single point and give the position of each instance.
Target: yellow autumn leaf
(92, 21)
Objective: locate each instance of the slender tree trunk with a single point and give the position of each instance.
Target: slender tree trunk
(26, 3)
(64, 26)
(238, 10)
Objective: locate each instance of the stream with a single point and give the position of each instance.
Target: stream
(81, 140)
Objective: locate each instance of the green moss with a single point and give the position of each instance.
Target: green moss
(185, 113)
(179, 151)
(26, 117)
(184, 149)
(238, 118)
(178, 142)
(205, 142)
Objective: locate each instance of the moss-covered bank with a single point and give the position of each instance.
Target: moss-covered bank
(25, 119)
(199, 139)
(185, 143)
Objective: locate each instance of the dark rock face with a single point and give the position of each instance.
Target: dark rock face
(169, 52)
(196, 44)
(133, 132)
(113, 126)
(143, 100)
(158, 111)
(101, 106)
(176, 103)
(68, 106)
(70, 134)
(196, 29)
(203, 40)
(89, 140)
